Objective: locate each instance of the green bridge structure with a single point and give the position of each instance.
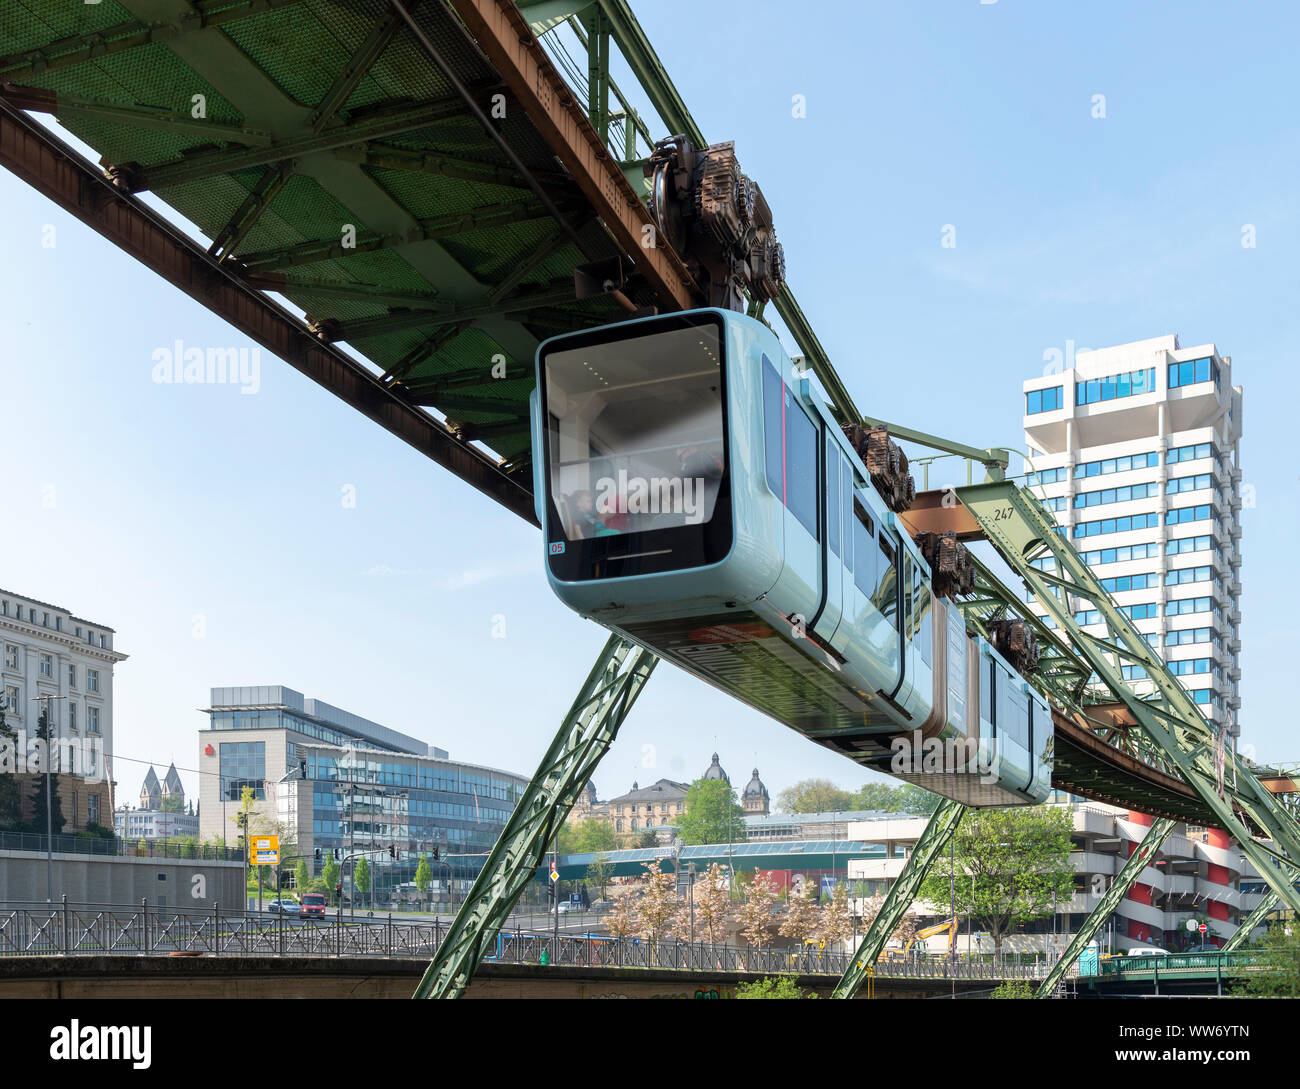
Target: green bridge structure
(440, 183)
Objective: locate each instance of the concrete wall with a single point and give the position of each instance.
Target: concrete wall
(321, 977)
(87, 879)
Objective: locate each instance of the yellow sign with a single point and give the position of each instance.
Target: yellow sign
(264, 851)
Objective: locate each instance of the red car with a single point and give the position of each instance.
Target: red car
(313, 903)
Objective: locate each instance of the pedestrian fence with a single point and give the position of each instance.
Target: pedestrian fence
(73, 929)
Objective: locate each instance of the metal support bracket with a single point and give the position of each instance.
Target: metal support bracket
(1137, 862)
(584, 737)
(942, 824)
(1248, 924)
(1021, 529)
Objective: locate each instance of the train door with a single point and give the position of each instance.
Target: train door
(792, 444)
(832, 561)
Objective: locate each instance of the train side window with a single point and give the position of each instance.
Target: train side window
(864, 555)
(864, 571)
(773, 433)
(801, 490)
(922, 619)
(832, 496)
(886, 595)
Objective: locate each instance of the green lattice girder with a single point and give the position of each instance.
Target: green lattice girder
(1021, 529)
(1267, 904)
(584, 737)
(938, 831)
(1141, 857)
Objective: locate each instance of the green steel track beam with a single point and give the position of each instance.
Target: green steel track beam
(53, 169)
(1021, 529)
(1255, 918)
(1142, 856)
(549, 295)
(938, 831)
(377, 124)
(585, 735)
(448, 225)
(79, 48)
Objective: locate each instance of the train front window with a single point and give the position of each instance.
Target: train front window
(635, 432)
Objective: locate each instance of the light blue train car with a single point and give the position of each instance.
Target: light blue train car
(697, 496)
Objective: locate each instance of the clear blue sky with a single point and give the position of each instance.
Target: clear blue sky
(176, 502)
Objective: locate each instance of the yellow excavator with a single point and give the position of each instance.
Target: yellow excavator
(897, 956)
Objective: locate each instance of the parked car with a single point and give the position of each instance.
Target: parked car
(568, 907)
(313, 903)
(284, 907)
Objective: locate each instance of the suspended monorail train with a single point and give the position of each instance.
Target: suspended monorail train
(697, 496)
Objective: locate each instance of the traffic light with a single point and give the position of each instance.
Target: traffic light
(338, 892)
(316, 854)
(392, 850)
(435, 854)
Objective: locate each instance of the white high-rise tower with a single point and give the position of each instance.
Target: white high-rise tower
(1135, 450)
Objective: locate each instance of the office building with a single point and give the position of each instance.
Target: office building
(1135, 449)
(328, 779)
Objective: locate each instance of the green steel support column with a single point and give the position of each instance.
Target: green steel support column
(1137, 862)
(1022, 530)
(943, 823)
(597, 25)
(586, 733)
(1248, 924)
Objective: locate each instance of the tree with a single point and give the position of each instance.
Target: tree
(301, 876)
(772, 987)
(803, 919)
(659, 900)
(331, 874)
(755, 913)
(648, 838)
(361, 876)
(1012, 868)
(56, 819)
(1013, 988)
(880, 796)
(837, 919)
(600, 872)
(914, 799)
(594, 836)
(11, 798)
(622, 921)
(713, 907)
(814, 796)
(712, 814)
(423, 875)
(173, 803)
(1276, 973)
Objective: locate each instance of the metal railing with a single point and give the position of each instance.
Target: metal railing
(1174, 964)
(67, 929)
(73, 844)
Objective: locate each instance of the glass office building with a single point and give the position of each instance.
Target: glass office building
(334, 781)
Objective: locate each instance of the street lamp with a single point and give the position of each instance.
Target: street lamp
(49, 796)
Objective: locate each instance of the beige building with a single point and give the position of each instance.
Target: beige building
(658, 807)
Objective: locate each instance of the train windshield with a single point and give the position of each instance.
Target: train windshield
(635, 431)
